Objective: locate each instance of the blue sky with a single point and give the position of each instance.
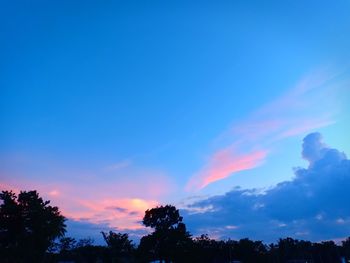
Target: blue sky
(133, 104)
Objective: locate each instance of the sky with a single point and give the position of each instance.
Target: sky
(225, 109)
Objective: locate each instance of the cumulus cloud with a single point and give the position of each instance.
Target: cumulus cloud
(313, 205)
(313, 147)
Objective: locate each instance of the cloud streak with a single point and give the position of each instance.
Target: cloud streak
(223, 163)
(310, 105)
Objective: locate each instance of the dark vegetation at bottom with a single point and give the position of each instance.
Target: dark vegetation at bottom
(33, 231)
(204, 249)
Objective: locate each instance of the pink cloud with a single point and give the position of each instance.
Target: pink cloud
(84, 204)
(121, 214)
(310, 104)
(223, 164)
(113, 199)
(8, 187)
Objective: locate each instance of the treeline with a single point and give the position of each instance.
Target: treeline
(33, 231)
(206, 250)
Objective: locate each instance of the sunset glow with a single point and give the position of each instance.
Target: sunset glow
(235, 112)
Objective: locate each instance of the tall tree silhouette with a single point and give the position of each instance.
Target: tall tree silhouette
(170, 240)
(28, 226)
(162, 217)
(119, 245)
(346, 248)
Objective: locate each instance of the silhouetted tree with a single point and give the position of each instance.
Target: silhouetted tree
(290, 249)
(162, 217)
(85, 242)
(251, 251)
(327, 251)
(119, 245)
(65, 248)
(28, 226)
(346, 248)
(66, 244)
(86, 252)
(206, 250)
(148, 248)
(170, 241)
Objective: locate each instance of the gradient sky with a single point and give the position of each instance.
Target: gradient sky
(112, 107)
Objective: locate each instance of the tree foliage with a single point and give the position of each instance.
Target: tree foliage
(170, 239)
(28, 226)
(162, 217)
(119, 244)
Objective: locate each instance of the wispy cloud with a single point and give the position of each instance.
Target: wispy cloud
(310, 105)
(118, 166)
(223, 163)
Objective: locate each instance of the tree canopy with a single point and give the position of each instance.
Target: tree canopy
(33, 231)
(118, 243)
(28, 226)
(162, 217)
(170, 239)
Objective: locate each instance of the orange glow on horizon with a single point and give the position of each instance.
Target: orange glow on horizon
(119, 213)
